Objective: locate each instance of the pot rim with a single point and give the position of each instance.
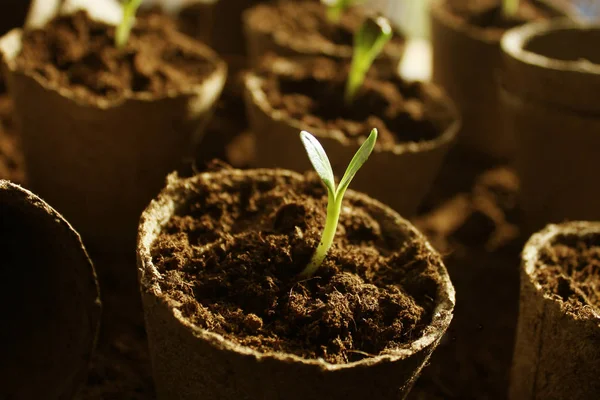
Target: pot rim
(515, 40)
(443, 13)
(254, 84)
(170, 198)
(10, 47)
(537, 241)
(329, 49)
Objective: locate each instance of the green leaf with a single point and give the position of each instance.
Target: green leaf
(357, 162)
(319, 160)
(510, 7)
(369, 41)
(124, 29)
(337, 8)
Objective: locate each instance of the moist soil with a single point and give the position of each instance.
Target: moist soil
(487, 14)
(11, 158)
(78, 53)
(314, 94)
(569, 270)
(305, 25)
(232, 255)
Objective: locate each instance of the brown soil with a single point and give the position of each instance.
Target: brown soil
(569, 270)
(314, 94)
(373, 294)
(78, 53)
(488, 13)
(305, 25)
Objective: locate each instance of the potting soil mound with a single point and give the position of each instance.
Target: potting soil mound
(312, 91)
(374, 293)
(78, 53)
(304, 25)
(569, 269)
(489, 14)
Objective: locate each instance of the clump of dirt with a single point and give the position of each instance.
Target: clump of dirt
(305, 25)
(488, 13)
(312, 91)
(231, 258)
(78, 53)
(569, 269)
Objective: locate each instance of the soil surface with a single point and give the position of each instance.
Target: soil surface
(304, 25)
(374, 293)
(488, 13)
(569, 269)
(78, 53)
(313, 92)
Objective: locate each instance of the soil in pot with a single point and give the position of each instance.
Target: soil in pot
(117, 121)
(556, 353)
(466, 59)
(220, 279)
(365, 300)
(78, 53)
(302, 27)
(11, 158)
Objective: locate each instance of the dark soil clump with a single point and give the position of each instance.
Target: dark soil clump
(11, 158)
(313, 92)
(78, 53)
(488, 14)
(232, 255)
(305, 25)
(569, 270)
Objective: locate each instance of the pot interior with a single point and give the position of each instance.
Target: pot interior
(567, 44)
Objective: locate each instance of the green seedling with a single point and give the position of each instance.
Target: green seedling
(321, 164)
(336, 8)
(510, 7)
(369, 41)
(124, 29)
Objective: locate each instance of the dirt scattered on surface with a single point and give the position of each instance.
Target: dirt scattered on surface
(304, 24)
(374, 293)
(78, 53)
(569, 270)
(312, 91)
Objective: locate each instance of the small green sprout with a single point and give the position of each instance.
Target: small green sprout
(510, 7)
(320, 162)
(124, 29)
(336, 8)
(369, 41)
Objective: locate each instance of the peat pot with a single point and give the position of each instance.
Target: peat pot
(301, 28)
(228, 318)
(286, 96)
(557, 351)
(49, 302)
(551, 102)
(99, 153)
(466, 60)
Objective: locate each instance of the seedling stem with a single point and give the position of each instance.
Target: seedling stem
(369, 41)
(124, 29)
(320, 162)
(336, 8)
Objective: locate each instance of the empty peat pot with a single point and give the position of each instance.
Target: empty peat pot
(551, 102)
(301, 28)
(465, 39)
(49, 302)
(557, 351)
(102, 127)
(417, 124)
(228, 317)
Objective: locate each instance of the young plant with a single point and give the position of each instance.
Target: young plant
(336, 8)
(369, 41)
(124, 29)
(510, 7)
(321, 164)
